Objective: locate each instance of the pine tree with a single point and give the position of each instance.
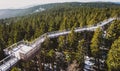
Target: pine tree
(113, 32)
(96, 43)
(62, 43)
(113, 60)
(80, 53)
(72, 40)
(15, 69)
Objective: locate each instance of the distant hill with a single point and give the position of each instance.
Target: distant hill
(7, 13)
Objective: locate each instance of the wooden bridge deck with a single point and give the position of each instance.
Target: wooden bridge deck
(23, 49)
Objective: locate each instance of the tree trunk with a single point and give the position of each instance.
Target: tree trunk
(98, 64)
(53, 66)
(39, 62)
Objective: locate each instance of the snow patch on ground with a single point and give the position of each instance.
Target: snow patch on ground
(88, 63)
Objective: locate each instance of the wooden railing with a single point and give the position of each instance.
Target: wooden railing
(37, 47)
(49, 33)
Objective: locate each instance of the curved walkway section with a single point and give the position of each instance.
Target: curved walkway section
(24, 50)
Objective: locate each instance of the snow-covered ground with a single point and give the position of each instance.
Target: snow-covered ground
(89, 63)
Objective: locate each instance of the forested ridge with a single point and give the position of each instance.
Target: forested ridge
(71, 49)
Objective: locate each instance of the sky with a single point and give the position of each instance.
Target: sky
(15, 4)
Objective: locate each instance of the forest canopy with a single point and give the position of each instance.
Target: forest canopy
(74, 45)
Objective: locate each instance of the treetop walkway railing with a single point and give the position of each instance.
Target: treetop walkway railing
(34, 46)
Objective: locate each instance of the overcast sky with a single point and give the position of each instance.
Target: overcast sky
(7, 4)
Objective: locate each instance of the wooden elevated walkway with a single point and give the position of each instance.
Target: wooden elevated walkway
(24, 50)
